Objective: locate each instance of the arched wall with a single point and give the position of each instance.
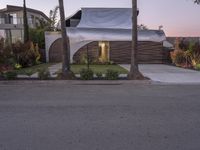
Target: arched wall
(55, 51)
(50, 38)
(120, 52)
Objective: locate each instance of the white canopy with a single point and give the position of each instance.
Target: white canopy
(107, 24)
(109, 18)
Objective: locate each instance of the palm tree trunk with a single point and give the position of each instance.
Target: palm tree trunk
(66, 72)
(25, 20)
(134, 71)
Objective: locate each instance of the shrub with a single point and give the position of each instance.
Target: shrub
(99, 75)
(10, 75)
(18, 66)
(26, 54)
(95, 61)
(108, 63)
(195, 59)
(5, 68)
(38, 36)
(1, 76)
(28, 72)
(43, 74)
(37, 54)
(178, 57)
(184, 44)
(197, 67)
(188, 54)
(83, 59)
(112, 74)
(86, 74)
(6, 53)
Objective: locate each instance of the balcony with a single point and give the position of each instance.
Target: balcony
(14, 23)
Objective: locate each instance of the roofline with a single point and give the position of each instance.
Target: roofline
(19, 8)
(80, 9)
(106, 7)
(72, 14)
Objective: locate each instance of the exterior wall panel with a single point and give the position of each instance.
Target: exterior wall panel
(120, 52)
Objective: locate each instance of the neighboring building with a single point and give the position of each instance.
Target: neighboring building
(11, 21)
(172, 40)
(106, 34)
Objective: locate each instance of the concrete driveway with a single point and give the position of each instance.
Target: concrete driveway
(168, 74)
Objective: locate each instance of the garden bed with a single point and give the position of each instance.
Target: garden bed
(98, 72)
(33, 69)
(99, 68)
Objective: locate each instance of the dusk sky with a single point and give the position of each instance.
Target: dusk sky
(178, 17)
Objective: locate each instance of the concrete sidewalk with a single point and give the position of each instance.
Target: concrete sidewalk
(168, 74)
(54, 69)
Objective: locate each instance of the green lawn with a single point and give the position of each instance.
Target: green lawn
(75, 68)
(99, 68)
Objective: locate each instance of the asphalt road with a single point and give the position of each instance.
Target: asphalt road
(66, 116)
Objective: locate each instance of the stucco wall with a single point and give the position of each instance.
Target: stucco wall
(50, 37)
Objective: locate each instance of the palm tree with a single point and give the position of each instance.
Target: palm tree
(197, 1)
(53, 15)
(26, 28)
(134, 73)
(66, 72)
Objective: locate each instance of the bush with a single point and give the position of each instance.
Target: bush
(5, 68)
(112, 74)
(1, 76)
(184, 44)
(86, 74)
(6, 54)
(18, 66)
(38, 36)
(188, 54)
(28, 72)
(43, 74)
(10, 75)
(178, 57)
(26, 54)
(99, 62)
(99, 75)
(197, 67)
(195, 59)
(83, 59)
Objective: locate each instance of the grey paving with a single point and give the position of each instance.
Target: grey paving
(168, 74)
(67, 115)
(35, 75)
(54, 69)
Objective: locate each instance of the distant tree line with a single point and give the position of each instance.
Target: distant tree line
(197, 1)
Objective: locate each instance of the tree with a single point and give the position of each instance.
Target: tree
(134, 73)
(142, 27)
(53, 16)
(25, 20)
(66, 72)
(197, 1)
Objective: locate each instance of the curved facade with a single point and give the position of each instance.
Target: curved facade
(110, 27)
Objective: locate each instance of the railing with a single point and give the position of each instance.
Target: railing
(12, 20)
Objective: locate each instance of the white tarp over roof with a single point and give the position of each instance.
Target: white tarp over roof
(110, 18)
(107, 24)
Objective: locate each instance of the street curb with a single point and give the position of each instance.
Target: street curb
(75, 82)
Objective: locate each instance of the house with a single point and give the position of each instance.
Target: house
(11, 21)
(106, 34)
